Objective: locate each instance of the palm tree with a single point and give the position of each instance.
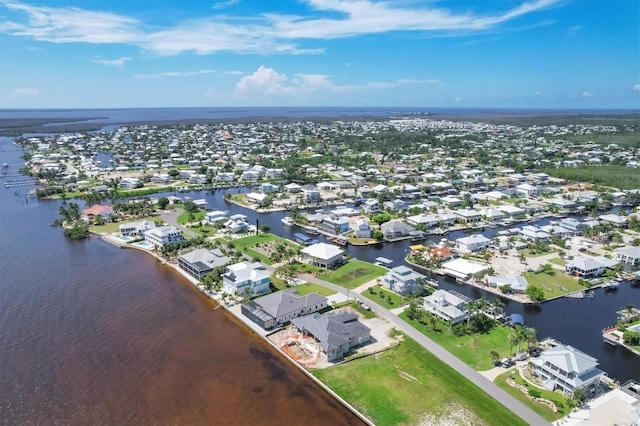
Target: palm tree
(512, 339)
(530, 335)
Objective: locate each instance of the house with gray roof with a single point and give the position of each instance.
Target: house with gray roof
(403, 280)
(518, 283)
(323, 255)
(246, 277)
(567, 369)
(336, 332)
(200, 262)
(584, 267)
(628, 254)
(278, 308)
(448, 305)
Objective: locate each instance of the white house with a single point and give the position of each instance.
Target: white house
(533, 233)
(323, 255)
(136, 228)
(628, 254)
(362, 229)
(448, 305)
(527, 190)
(162, 235)
(567, 369)
(246, 278)
(216, 217)
(403, 280)
(584, 267)
(472, 243)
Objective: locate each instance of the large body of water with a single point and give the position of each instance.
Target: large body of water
(93, 334)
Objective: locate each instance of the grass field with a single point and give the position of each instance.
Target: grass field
(183, 218)
(539, 408)
(384, 297)
(407, 385)
(553, 285)
(353, 274)
(612, 176)
(474, 350)
(246, 245)
(557, 261)
(307, 288)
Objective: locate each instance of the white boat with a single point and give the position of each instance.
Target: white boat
(287, 221)
(612, 285)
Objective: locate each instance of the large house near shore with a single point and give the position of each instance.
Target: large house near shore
(200, 262)
(323, 255)
(448, 305)
(246, 277)
(567, 369)
(106, 212)
(403, 280)
(136, 228)
(278, 308)
(163, 235)
(336, 332)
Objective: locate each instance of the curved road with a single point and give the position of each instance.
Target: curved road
(521, 410)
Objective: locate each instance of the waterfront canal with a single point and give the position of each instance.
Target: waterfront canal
(576, 322)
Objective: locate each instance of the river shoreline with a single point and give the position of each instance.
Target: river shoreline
(238, 316)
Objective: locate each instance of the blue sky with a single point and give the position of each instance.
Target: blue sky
(423, 53)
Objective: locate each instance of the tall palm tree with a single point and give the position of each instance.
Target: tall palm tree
(530, 335)
(512, 339)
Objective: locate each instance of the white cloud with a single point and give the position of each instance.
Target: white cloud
(457, 99)
(224, 4)
(175, 74)
(112, 62)
(573, 30)
(267, 81)
(210, 93)
(636, 87)
(586, 94)
(24, 91)
(433, 81)
(264, 34)
(382, 85)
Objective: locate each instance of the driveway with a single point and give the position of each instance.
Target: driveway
(517, 407)
(171, 217)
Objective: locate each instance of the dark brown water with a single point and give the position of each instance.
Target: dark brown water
(94, 334)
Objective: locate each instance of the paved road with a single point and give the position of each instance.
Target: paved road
(521, 410)
(171, 217)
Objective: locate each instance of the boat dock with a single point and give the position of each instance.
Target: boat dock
(383, 261)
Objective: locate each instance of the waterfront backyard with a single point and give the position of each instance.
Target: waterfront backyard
(407, 385)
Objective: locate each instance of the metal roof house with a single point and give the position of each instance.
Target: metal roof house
(278, 308)
(567, 369)
(336, 332)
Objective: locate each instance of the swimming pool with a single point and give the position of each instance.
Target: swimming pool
(143, 244)
(125, 238)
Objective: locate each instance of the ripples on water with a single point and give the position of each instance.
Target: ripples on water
(93, 334)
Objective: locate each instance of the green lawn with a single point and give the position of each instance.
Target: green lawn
(551, 284)
(352, 303)
(353, 274)
(557, 261)
(535, 253)
(183, 218)
(307, 288)
(407, 385)
(474, 350)
(240, 199)
(246, 245)
(384, 297)
(539, 408)
(112, 227)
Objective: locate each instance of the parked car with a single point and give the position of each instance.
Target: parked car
(522, 355)
(507, 362)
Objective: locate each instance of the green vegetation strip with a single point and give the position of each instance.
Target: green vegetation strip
(246, 245)
(554, 284)
(384, 297)
(612, 176)
(306, 288)
(407, 385)
(544, 410)
(472, 349)
(353, 274)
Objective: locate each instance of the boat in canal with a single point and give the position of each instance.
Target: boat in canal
(287, 221)
(612, 285)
